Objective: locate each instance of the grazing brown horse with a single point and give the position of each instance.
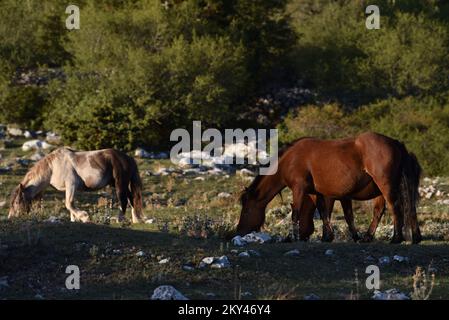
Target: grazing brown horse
(360, 168)
(70, 171)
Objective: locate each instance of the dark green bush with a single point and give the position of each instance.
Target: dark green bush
(408, 55)
(140, 103)
(23, 105)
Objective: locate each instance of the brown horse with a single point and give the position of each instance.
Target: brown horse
(70, 171)
(361, 168)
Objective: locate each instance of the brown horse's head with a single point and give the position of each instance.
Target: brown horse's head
(20, 204)
(252, 215)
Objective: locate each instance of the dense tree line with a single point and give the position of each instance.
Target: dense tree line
(137, 69)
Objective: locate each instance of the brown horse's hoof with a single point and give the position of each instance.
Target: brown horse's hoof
(397, 240)
(327, 237)
(356, 237)
(416, 239)
(367, 238)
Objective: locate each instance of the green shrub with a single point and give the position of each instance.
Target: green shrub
(327, 122)
(140, 102)
(23, 105)
(33, 33)
(408, 55)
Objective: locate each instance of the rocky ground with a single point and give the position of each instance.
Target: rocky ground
(189, 210)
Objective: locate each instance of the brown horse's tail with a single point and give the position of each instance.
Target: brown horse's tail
(136, 189)
(409, 192)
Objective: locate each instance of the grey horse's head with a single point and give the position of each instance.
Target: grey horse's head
(20, 204)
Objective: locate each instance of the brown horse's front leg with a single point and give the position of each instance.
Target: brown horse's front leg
(295, 222)
(298, 200)
(306, 225)
(303, 226)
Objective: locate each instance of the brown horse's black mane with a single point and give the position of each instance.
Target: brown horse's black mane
(251, 190)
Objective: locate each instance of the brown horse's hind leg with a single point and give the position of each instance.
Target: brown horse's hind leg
(325, 206)
(416, 233)
(394, 207)
(346, 204)
(379, 209)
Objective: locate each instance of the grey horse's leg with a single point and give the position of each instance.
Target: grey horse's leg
(75, 214)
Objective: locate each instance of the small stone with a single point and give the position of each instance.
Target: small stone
(15, 132)
(329, 252)
(292, 253)
(36, 145)
(164, 261)
(391, 294)
(141, 153)
(220, 263)
(311, 296)
(224, 195)
(37, 156)
(53, 138)
(5, 169)
(208, 260)
(23, 162)
(187, 268)
(246, 294)
(140, 254)
(52, 219)
(245, 173)
(29, 134)
(400, 258)
(149, 221)
(4, 282)
(238, 241)
(385, 260)
(258, 237)
(244, 254)
(167, 293)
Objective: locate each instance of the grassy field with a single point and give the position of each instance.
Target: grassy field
(189, 222)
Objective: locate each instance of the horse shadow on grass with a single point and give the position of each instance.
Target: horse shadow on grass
(124, 263)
